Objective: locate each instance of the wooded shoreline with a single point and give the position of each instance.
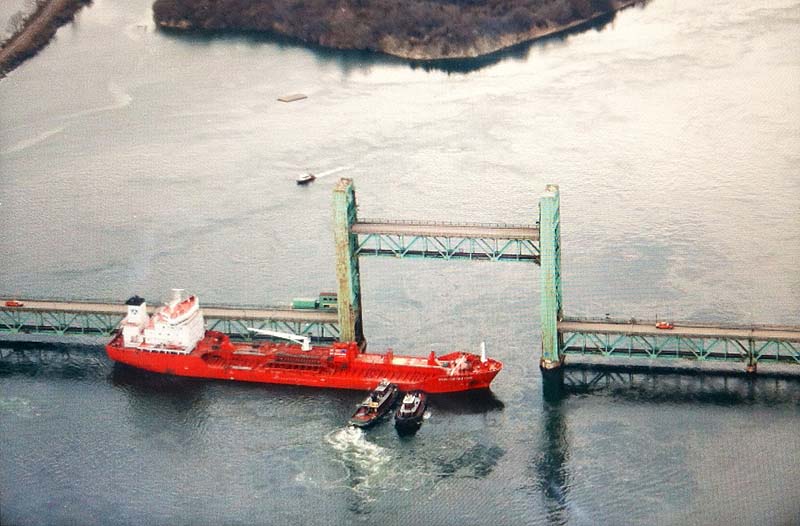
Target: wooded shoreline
(414, 29)
(37, 31)
(430, 30)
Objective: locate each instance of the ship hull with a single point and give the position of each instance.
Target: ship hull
(338, 370)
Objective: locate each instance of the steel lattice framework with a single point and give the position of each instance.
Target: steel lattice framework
(448, 241)
(678, 385)
(60, 323)
(354, 237)
(240, 328)
(750, 346)
(102, 319)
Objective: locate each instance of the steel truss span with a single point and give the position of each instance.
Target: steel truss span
(58, 322)
(240, 329)
(680, 385)
(102, 319)
(448, 241)
(642, 340)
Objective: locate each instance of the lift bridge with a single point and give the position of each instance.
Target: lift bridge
(538, 243)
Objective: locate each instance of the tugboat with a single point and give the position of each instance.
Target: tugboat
(377, 404)
(408, 417)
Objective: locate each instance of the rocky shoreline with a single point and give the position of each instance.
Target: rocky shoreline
(429, 30)
(38, 29)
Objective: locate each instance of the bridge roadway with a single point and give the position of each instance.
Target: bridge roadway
(100, 318)
(209, 311)
(641, 328)
(444, 229)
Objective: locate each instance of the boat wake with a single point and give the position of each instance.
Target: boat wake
(33, 141)
(332, 171)
(366, 463)
(120, 99)
(353, 446)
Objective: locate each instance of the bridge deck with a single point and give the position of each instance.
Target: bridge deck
(615, 339)
(101, 318)
(789, 334)
(209, 311)
(453, 230)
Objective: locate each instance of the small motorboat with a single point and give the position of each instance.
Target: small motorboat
(408, 417)
(305, 179)
(664, 325)
(377, 404)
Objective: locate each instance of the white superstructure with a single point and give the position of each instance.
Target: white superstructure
(175, 328)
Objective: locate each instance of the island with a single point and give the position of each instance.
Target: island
(412, 29)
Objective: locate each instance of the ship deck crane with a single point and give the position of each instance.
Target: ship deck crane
(304, 341)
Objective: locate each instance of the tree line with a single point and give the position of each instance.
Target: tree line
(364, 24)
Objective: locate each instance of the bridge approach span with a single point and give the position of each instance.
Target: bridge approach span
(41, 316)
(643, 328)
(614, 339)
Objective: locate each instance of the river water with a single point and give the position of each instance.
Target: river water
(132, 161)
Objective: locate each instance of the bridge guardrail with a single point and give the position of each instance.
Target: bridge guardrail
(106, 301)
(682, 323)
(444, 223)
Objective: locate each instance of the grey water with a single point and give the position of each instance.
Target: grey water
(133, 161)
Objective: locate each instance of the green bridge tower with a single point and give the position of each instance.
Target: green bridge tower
(551, 310)
(347, 271)
(450, 241)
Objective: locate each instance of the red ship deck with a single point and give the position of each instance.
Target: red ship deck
(339, 366)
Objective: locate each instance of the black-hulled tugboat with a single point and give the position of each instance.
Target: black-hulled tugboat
(378, 403)
(408, 417)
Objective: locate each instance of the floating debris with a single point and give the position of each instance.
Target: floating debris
(292, 98)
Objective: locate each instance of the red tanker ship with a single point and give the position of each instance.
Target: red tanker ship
(174, 341)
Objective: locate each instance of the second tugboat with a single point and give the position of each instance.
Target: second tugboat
(376, 405)
(408, 417)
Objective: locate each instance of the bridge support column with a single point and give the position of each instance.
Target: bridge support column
(347, 272)
(752, 364)
(550, 281)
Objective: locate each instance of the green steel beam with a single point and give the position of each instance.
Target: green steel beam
(56, 322)
(678, 347)
(551, 309)
(676, 386)
(347, 271)
(240, 329)
(448, 248)
(65, 323)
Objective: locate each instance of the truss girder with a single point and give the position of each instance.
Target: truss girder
(63, 323)
(679, 388)
(57, 322)
(672, 347)
(447, 248)
(240, 329)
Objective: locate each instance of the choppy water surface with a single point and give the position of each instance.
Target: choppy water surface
(133, 161)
